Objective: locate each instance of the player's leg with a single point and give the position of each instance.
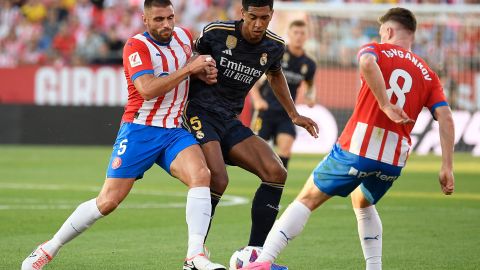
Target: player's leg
(364, 198)
(84, 216)
(285, 136)
(284, 147)
(219, 177)
(133, 141)
(205, 129)
(293, 220)
(256, 156)
(369, 229)
(190, 167)
(330, 178)
(184, 160)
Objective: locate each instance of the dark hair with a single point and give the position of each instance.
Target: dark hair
(297, 23)
(402, 16)
(256, 3)
(156, 3)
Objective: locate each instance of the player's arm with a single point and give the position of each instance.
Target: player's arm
(282, 93)
(372, 74)
(447, 143)
(150, 86)
(310, 93)
(259, 102)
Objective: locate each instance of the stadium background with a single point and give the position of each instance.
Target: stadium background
(62, 91)
(62, 80)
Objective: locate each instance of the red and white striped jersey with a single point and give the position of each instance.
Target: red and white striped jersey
(412, 85)
(144, 55)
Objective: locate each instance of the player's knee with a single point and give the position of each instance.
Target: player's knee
(201, 178)
(275, 173)
(219, 181)
(106, 205)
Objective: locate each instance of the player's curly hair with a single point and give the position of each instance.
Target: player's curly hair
(402, 16)
(156, 3)
(256, 3)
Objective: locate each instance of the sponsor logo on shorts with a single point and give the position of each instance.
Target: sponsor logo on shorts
(378, 174)
(116, 163)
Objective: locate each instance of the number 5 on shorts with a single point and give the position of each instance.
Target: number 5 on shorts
(122, 147)
(195, 123)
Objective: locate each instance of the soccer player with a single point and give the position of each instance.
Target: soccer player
(374, 146)
(272, 121)
(157, 65)
(244, 50)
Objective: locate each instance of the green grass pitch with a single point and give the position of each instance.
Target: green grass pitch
(41, 185)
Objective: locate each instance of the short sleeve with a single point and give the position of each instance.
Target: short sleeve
(136, 59)
(202, 45)
(436, 97)
(371, 48)
(277, 63)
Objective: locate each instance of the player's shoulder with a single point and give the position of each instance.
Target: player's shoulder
(309, 60)
(371, 46)
(274, 38)
(219, 26)
(136, 42)
(182, 31)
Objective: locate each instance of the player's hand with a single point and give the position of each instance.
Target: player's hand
(209, 75)
(396, 114)
(199, 63)
(307, 124)
(260, 105)
(447, 181)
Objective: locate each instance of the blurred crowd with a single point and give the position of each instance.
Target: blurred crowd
(450, 46)
(75, 32)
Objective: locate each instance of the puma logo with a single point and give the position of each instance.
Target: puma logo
(371, 238)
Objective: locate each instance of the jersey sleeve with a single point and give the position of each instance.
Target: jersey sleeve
(437, 96)
(277, 63)
(371, 48)
(137, 60)
(202, 45)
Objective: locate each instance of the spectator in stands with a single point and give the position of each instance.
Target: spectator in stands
(64, 43)
(34, 10)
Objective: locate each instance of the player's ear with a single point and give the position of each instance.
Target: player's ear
(390, 32)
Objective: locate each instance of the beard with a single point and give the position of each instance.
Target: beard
(162, 36)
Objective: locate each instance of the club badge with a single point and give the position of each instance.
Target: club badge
(200, 135)
(116, 163)
(304, 69)
(263, 59)
(187, 50)
(231, 42)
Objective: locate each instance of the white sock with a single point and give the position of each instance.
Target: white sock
(370, 234)
(81, 219)
(290, 225)
(198, 214)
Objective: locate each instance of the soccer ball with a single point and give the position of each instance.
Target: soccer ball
(244, 257)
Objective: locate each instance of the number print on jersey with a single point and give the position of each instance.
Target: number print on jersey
(395, 88)
(122, 147)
